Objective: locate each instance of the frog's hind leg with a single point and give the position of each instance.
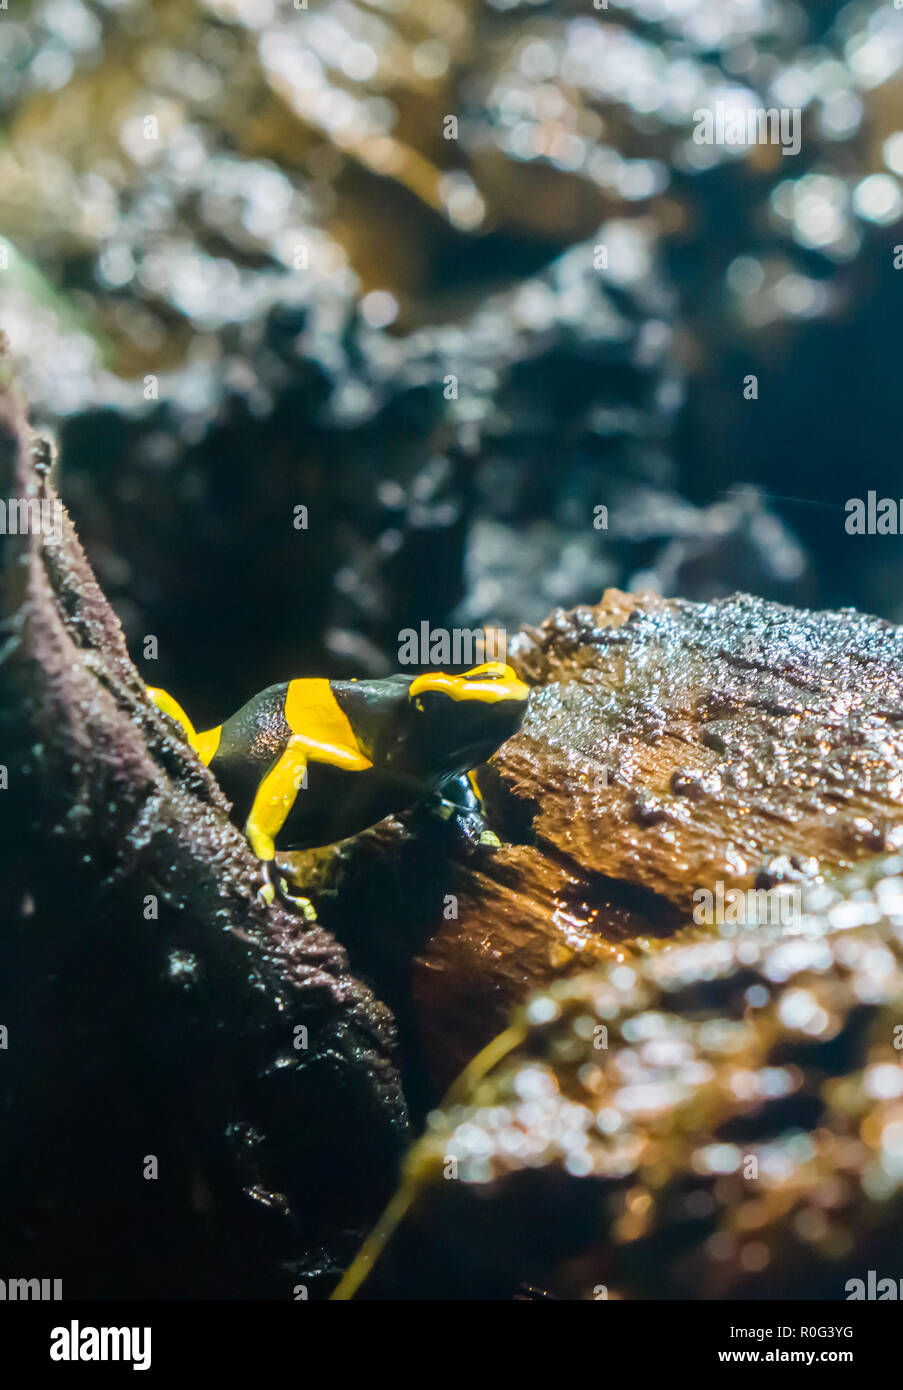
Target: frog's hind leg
(204, 744)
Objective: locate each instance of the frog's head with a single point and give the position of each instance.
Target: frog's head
(455, 722)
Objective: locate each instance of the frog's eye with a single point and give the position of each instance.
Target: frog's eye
(490, 683)
(489, 671)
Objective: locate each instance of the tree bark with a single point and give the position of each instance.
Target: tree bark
(199, 1098)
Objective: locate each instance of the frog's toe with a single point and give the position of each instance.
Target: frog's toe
(299, 903)
(275, 886)
(267, 890)
(490, 840)
(294, 900)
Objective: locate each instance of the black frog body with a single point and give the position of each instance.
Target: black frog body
(311, 761)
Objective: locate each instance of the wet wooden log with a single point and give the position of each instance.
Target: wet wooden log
(669, 747)
(722, 1120)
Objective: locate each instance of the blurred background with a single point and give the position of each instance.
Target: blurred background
(345, 256)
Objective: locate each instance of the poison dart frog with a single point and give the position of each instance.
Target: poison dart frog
(311, 761)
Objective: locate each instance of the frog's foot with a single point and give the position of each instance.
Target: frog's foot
(274, 886)
(468, 823)
(476, 833)
(459, 801)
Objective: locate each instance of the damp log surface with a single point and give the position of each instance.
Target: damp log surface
(669, 746)
(719, 1120)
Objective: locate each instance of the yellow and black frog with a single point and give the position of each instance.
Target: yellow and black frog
(311, 761)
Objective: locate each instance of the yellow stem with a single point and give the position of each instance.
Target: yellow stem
(412, 1182)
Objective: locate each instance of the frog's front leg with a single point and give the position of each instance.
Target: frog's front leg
(274, 800)
(272, 803)
(459, 799)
